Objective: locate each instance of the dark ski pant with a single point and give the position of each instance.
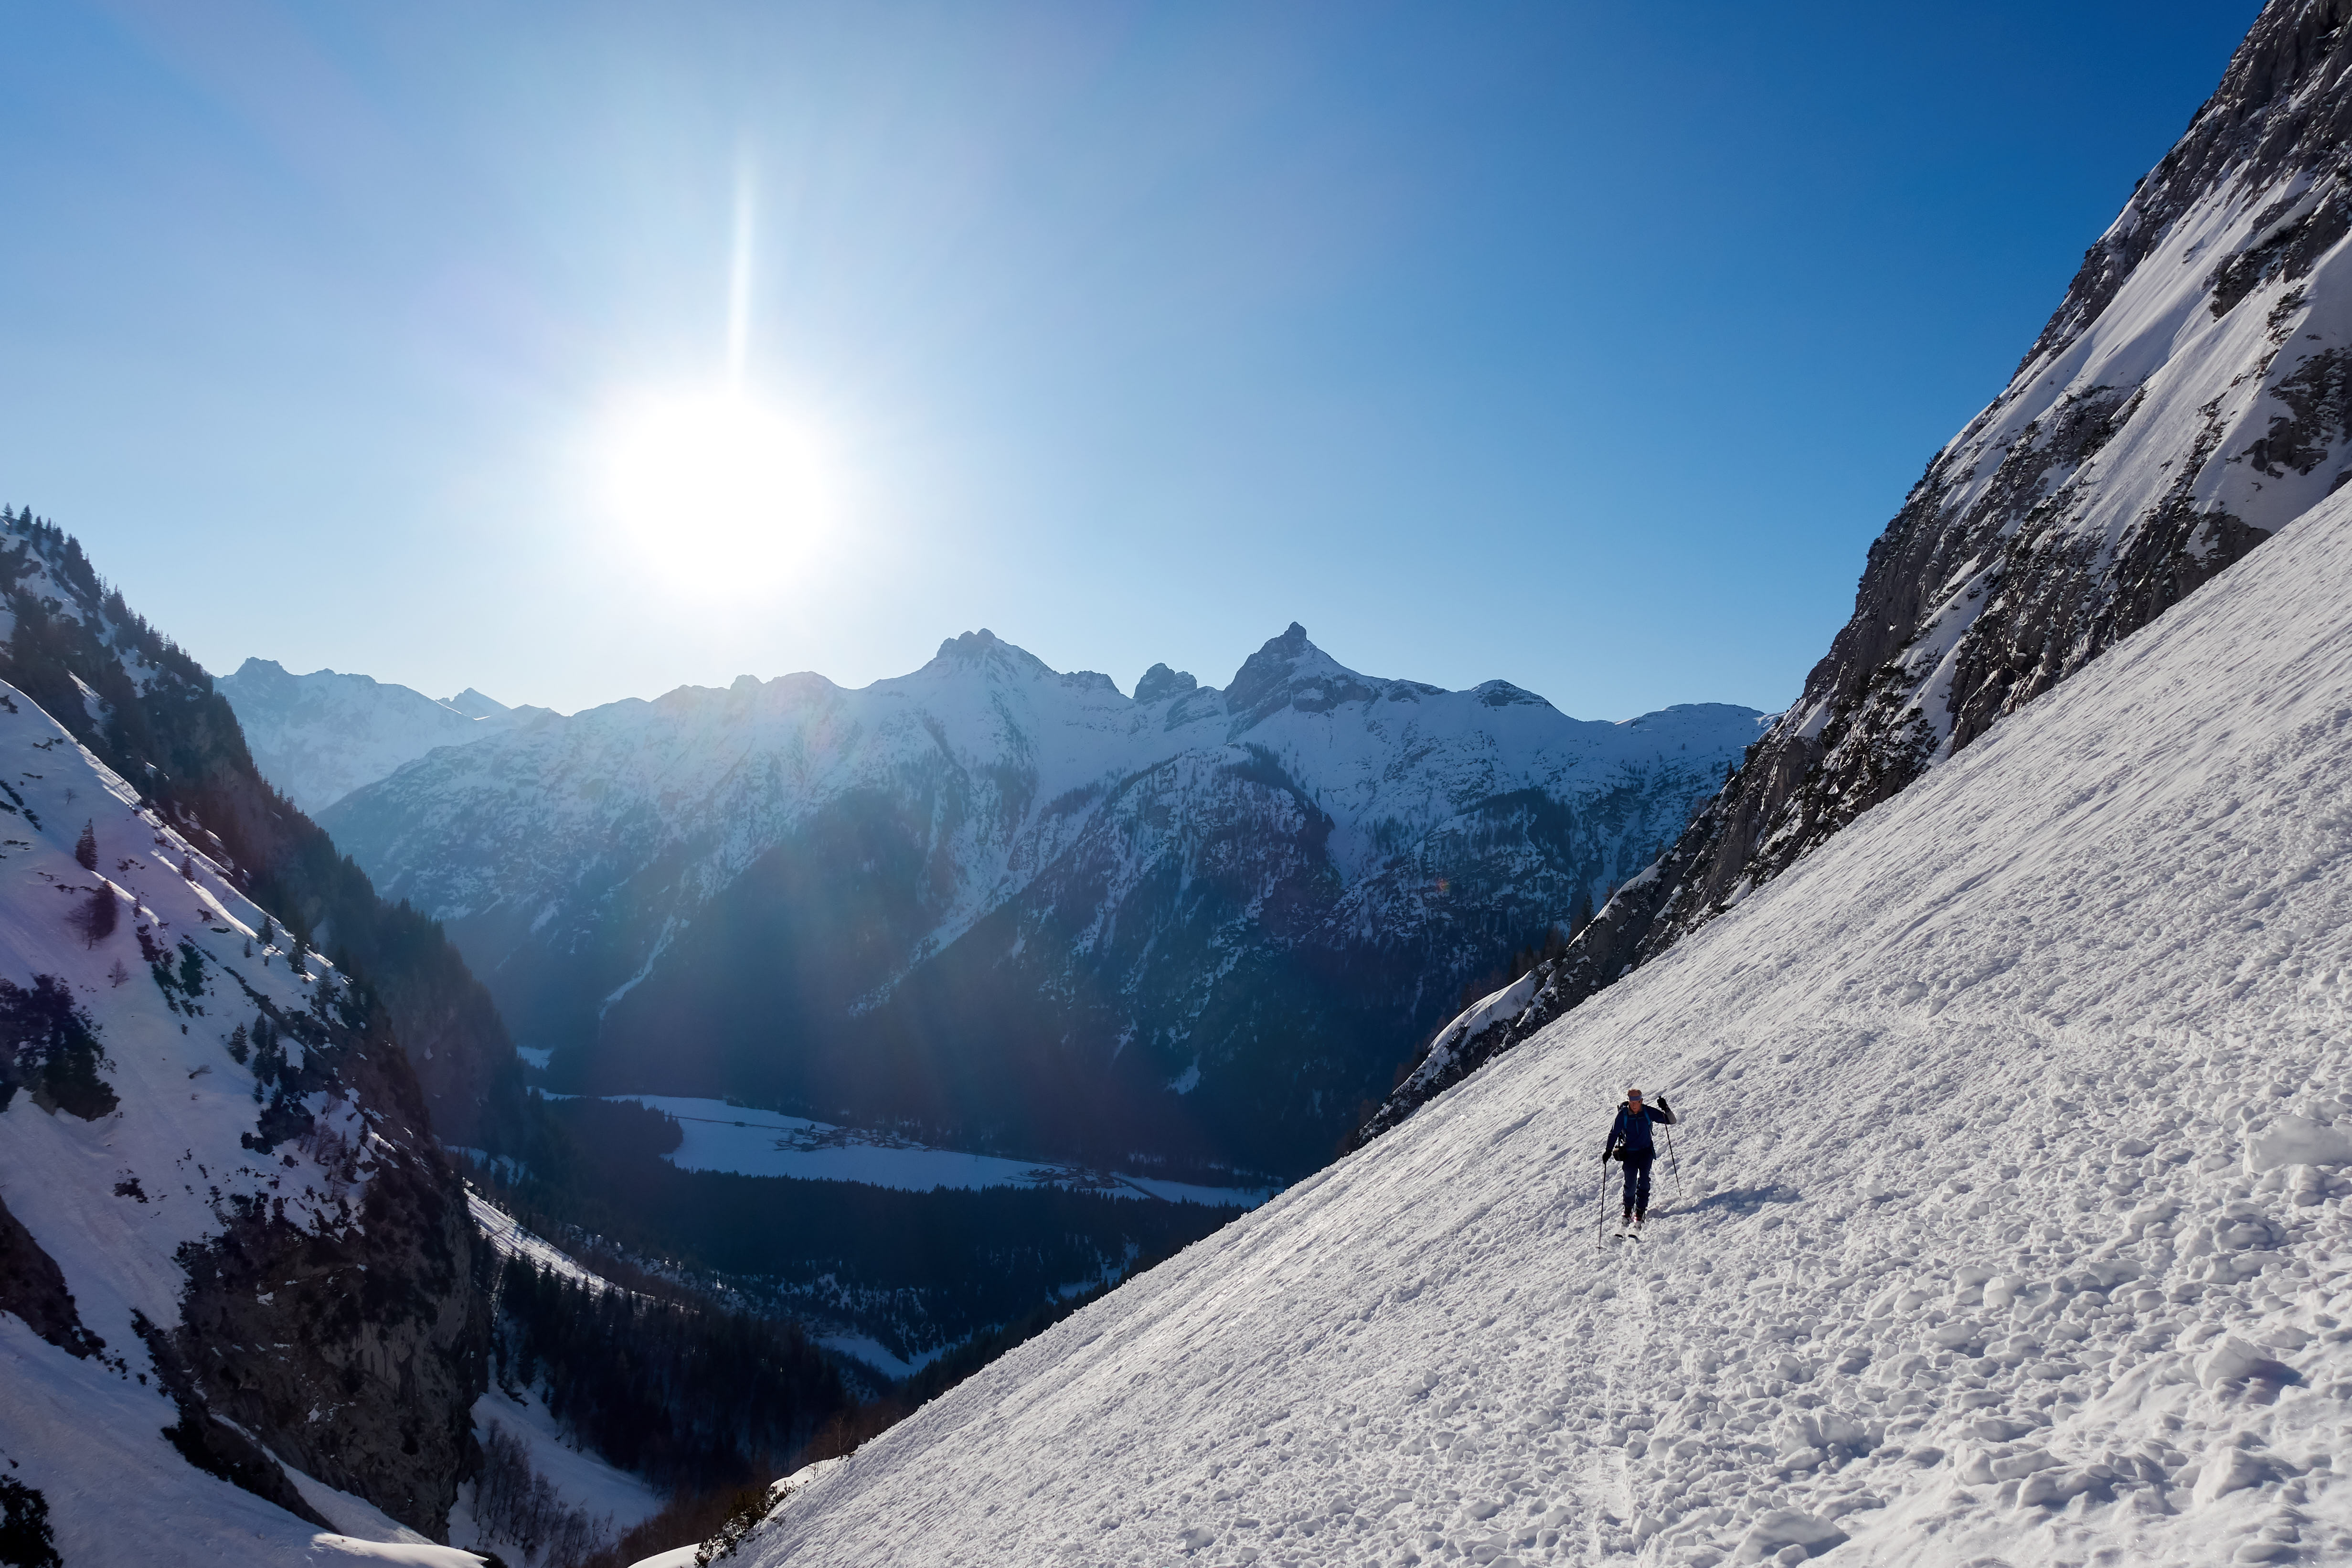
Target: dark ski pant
(1637, 1181)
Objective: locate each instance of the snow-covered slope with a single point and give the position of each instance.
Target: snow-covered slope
(151, 712)
(217, 1216)
(319, 736)
(1016, 905)
(2192, 394)
(2015, 1226)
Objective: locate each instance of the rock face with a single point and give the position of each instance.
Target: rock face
(240, 1262)
(319, 736)
(1013, 906)
(2191, 396)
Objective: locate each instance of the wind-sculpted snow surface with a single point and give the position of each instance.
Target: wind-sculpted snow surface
(225, 1241)
(1015, 907)
(2010, 1224)
(2192, 394)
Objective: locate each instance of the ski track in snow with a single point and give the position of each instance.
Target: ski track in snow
(1987, 1254)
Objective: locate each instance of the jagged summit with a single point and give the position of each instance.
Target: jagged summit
(1291, 672)
(986, 649)
(1160, 682)
(473, 704)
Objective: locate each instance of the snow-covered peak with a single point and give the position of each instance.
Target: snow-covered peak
(474, 705)
(317, 737)
(1160, 683)
(1291, 672)
(984, 650)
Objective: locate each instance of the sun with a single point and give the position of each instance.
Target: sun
(717, 485)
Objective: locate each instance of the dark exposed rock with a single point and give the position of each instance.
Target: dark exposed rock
(356, 1351)
(34, 1287)
(1160, 681)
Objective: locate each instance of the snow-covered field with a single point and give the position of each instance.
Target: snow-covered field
(2013, 1226)
(724, 1137)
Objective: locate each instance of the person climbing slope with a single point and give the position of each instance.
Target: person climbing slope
(1629, 1140)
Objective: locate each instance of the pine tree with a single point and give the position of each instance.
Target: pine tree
(238, 1047)
(118, 974)
(86, 847)
(188, 867)
(95, 919)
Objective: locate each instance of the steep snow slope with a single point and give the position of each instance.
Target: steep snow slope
(1017, 905)
(2015, 1228)
(218, 1215)
(319, 736)
(2192, 394)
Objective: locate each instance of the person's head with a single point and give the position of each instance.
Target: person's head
(1633, 1097)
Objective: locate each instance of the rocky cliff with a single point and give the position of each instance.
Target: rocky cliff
(2191, 396)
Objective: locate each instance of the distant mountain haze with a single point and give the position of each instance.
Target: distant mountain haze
(319, 736)
(1006, 905)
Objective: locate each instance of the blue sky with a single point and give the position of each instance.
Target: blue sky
(1586, 346)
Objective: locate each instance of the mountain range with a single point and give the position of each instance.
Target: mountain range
(1011, 908)
(319, 736)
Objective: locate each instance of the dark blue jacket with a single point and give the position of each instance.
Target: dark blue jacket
(1632, 1130)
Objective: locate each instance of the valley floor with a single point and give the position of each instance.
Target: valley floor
(724, 1137)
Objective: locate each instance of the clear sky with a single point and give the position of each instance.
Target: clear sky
(574, 351)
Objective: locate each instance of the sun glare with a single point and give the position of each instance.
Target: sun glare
(719, 485)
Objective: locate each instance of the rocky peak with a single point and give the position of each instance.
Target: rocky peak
(985, 651)
(1291, 672)
(1503, 694)
(474, 705)
(1160, 681)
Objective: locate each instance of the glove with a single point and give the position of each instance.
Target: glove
(1662, 1103)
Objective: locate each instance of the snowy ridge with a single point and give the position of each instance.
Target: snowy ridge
(125, 1192)
(2012, 1223)
(319, 736)
(508, 1238)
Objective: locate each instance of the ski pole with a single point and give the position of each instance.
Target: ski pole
(1675, 1163)
(1601, 1226)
